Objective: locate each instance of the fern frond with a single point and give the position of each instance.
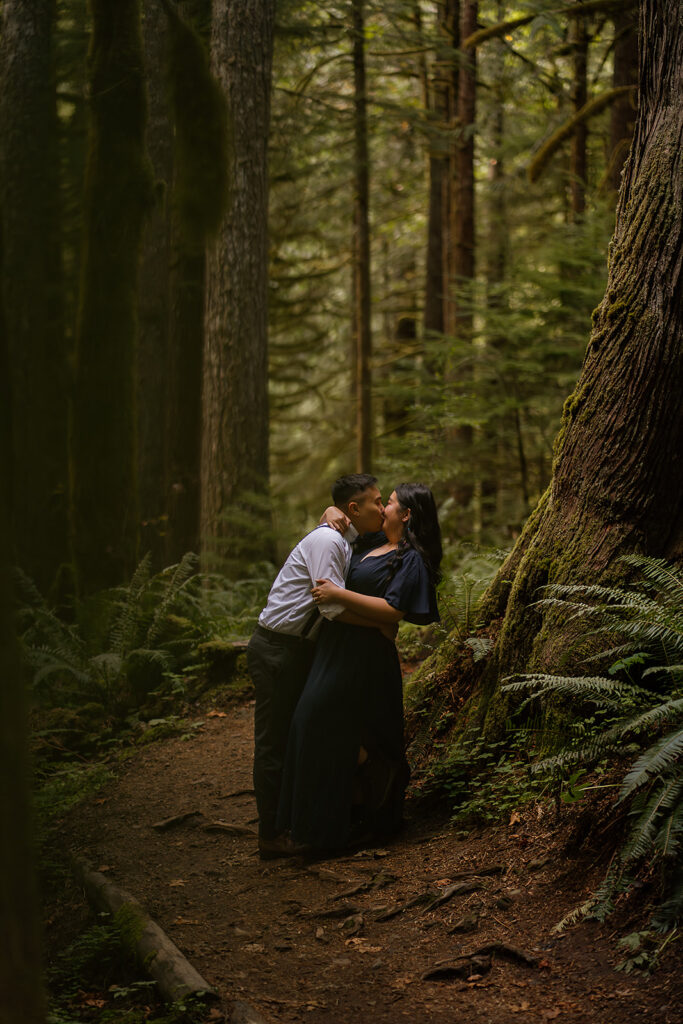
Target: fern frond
(669, 913)
(657, 759)
(180, 574)
(643, 832)
(591, 688)
(127, 622)
(659, 571)
(668, 839)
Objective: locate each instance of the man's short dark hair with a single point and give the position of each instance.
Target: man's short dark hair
(346, 487)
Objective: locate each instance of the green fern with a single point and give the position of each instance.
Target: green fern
(647, 620)
(119, 635)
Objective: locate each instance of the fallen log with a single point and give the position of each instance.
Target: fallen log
(161, 958)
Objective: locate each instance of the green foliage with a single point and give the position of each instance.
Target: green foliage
(120, 644)
(97, 972)
(487, 781)
(462, 589)
(643, 716)
(63, 788)
(643, 950)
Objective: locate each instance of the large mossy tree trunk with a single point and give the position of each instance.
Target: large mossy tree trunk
(116, 199)
(32, 290)
(617, 482)
(234, 460)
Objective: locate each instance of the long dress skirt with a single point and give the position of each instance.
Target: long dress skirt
(353, 697)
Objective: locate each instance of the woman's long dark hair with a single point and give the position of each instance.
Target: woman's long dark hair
(422, 531)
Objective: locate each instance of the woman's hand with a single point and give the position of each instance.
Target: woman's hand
(335, 518)
(325, 592)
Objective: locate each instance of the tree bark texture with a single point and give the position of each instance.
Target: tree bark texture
(453, 14)
(153, 301)
(617, 482)
(362, 331)
(32, 289)
(234, 458)
(440, 100)
(197, 204)
(117, 197)
(459, 323)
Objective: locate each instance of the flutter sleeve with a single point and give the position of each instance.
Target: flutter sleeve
(411, 590)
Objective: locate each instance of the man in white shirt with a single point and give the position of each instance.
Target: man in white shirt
(281, 648)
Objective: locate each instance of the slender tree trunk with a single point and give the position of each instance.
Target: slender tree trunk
(362, 331)
(461, 437)
(32, 289)
(154, 300)
(197, 205)
(234, 461)
(617, 484)
(622, 111)
(453, 15)
(439, 162)
(496, 257)
(117, 196)
(578, 166)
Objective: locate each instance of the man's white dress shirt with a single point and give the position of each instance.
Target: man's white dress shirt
(322, 554)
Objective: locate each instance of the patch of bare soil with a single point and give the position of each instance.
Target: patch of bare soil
(428, 928)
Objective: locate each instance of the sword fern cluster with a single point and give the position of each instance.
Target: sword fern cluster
(640, 703)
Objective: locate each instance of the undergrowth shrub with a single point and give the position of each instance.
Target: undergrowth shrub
(114, 650)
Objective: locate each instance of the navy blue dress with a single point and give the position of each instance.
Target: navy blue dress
(353, 697)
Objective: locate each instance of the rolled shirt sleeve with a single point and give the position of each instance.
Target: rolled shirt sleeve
(327, 556)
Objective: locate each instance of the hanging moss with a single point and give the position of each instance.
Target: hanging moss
(202, 130)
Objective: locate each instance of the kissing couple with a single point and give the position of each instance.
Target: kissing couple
(329, 759)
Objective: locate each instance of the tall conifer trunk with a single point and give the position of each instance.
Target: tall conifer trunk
(578, 166)
(362, 331)
(441, 100)
(234, 462)
(32, 289)
(622, 111)
(154, 298)
(617, 483)
(197, 205)
(460, 440)
(117, 196)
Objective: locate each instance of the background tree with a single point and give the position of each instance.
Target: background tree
(362, 328)
(615, 486)
(117, 196)
(234, 461)
(32, 287)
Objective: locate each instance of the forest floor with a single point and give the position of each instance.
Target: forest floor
(305, 941)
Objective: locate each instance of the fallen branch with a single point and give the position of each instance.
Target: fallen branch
(177, 819)
(507, 952)
(229, 828)
(161, 958)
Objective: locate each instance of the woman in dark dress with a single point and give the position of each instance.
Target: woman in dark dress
(345, 763)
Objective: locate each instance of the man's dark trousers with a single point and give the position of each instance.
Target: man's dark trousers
(278, 665)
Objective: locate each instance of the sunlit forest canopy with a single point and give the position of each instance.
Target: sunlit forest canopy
(402, 282)
(473, 410)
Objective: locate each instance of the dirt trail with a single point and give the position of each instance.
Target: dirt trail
(299, 944)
